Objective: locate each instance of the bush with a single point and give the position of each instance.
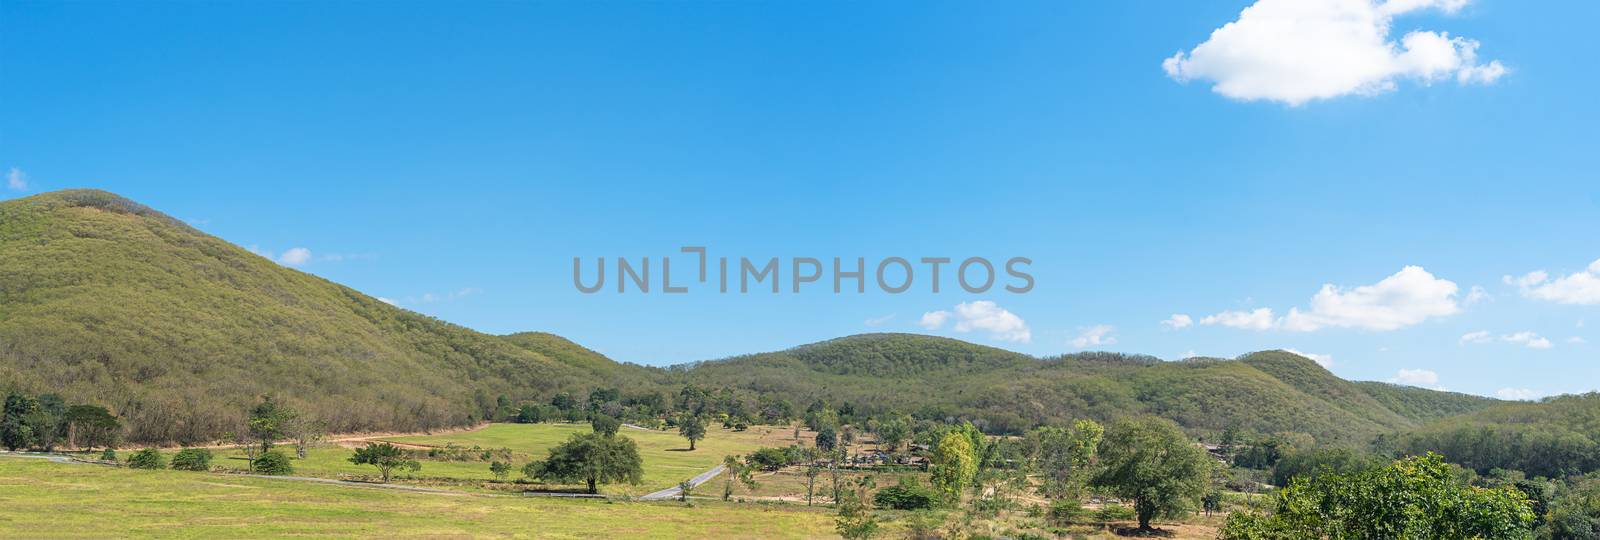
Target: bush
(905, 497)
(148, 458)
(108, 455)
(192, 459)
(273, 462)
(1065, 512)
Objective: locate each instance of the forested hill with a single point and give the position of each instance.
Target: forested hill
(106, 301)
(1003, 391)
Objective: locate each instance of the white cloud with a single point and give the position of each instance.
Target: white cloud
(1188, 354)
(1576, 288)
(1481, 336)
(1099, 334)
(1516, 394)
(1258, 319)
(388, 301)
(295, 256)
(1324, 360)
(16, 179)
(1416, 377)
(878, 321)
(981, 315)
(1178, 321)
(1575, 340)
(1408, 297)
(1530, 339)
(429, 297)
(1295, 51)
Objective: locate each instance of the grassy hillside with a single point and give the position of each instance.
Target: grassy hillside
(106, 301)
(1267, 392)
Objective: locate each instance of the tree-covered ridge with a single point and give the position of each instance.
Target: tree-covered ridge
(1002, 391)
(1558, 436)
(105, 301)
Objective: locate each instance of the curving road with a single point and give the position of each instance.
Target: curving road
(672, 492)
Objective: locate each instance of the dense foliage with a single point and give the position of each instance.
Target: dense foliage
(192, 459)
(386, 457)
(1557, 437)
(592, 459)
(148, 458)
(1150, 461)
(1417, 497)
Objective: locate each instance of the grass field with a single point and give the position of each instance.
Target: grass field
(667, 460)
(40, 499)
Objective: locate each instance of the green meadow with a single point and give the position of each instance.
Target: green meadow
(40, 499)
(667, 458)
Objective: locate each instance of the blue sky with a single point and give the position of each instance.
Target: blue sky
(454, 158)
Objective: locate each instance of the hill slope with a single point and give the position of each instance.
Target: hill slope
(1003, 391)
(104, 300)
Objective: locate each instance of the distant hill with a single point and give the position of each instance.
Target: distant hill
(105, 300)
(1003, 391)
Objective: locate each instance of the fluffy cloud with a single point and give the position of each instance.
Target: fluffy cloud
(1294, 51)
(1177, 321)
(1576, 288)
(1258, 319)
(387, 301)
(878, 321)
(1530, 339)
(1324, 360)
(1099, 334)
(1408, 297)
(16, 179)
(981, 315)
(1475, 295)
(295, 256)
(1416, 377)
(1516, 394)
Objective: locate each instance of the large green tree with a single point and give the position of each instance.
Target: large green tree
(1151, 462)
(954, 465)
(1062, 456)
(692, 428)
(1418, 497)
(386, 457)
(593, 459)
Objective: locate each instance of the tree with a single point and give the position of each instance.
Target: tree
(855, 519)
(812, 470)
(48, 422)
(386, 457)
(692, 428)
(593, 459)
(685, 488)
(15, 430)
(1417, 497)
(530, 414)
(827, 438)
(148, 458)
(192, 459)
(604, 424)
(268, 421)
(1063, 455)
(737, 469)
(305, 431)
(894, 432)
(954, 465)
(500, 469)
(89, 426)
(1150, 461)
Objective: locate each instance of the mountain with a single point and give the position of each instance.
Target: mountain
(107, 301)
(1003, 391)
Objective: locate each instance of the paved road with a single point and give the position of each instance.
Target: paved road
(696, 481)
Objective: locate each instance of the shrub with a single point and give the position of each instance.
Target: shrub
(273, 462)
(905, 497)
(148, 458)
(192, 459)
(500, 469)
(1064, 512)
(108, 455)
